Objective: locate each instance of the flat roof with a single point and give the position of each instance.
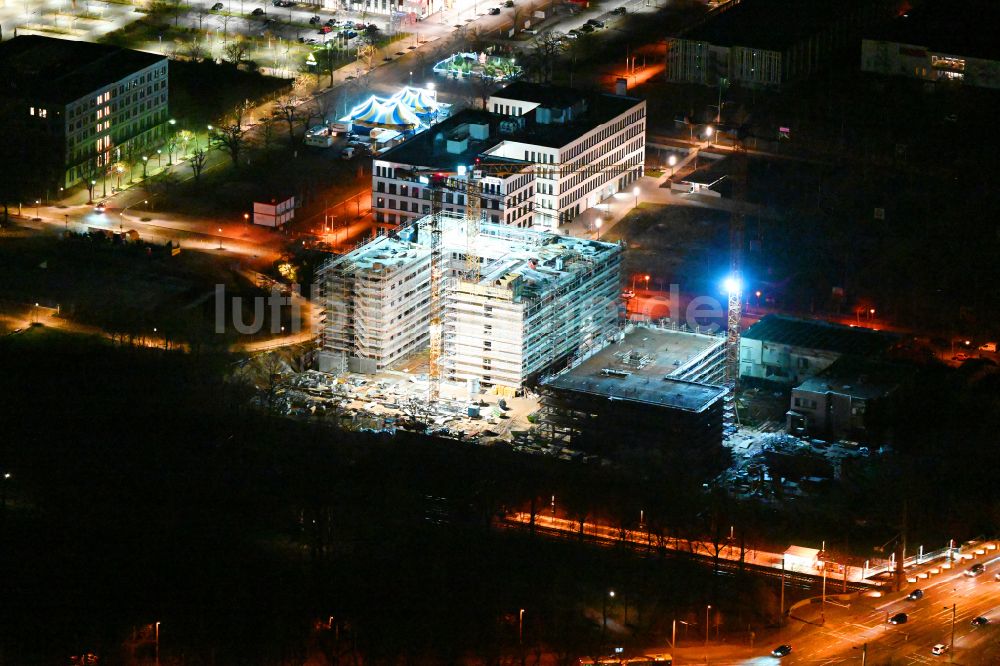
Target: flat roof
(813, 334)
(770, 24)
(858, 377)
(429, 148)
(63, 70)
(386, 251)
(664, 352)
(956, 27)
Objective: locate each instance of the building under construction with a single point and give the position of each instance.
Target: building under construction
(651, 387)
(536, 299)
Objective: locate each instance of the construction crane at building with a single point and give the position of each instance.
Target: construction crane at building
(734, 282)
(468, 180)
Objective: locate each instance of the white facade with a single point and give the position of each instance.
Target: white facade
(552, 172)
(274, 213)
(538, 298)
(377, 305)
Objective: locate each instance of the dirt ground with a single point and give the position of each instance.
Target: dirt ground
(674, 245)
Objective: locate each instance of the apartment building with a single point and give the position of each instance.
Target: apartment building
(537, 299)
(99, 104)
(769, 43)
(543, 154)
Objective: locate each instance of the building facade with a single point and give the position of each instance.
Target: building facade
(768, 43)
(785, 350)
(538, 298)
(557, 151)
(951, 43)
(101, 105)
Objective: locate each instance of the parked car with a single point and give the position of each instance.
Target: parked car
(620, 11)
(509, 3)
(781, 650)
(573, 34)
(494, 11)
(325, 29)
(331, 22)
(314, 20)
(257, 12)
(586, 27)
(597, 23)
(627, 294)
(530, 31)
(915, 594)
(988, 347)
(100, 207)
(980, 621)
(217, 7)
(940, 648)
(347, 153)
(898, 618)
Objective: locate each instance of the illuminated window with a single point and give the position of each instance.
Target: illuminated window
(945, 62)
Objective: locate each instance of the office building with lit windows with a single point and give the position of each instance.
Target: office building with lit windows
(98, 104)
(770, 43)
(561, 151)
(950, 43)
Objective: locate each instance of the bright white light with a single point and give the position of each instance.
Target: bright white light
(731, 285)
(672, 160)
(709, 130)
(430, 85)
(635, 191)
(461, 169)
(424, 180)
(598, 223)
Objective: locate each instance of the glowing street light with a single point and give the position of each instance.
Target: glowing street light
(672, 162)
(709, 131)
(597, 225)
(220, 238)
(635, 193)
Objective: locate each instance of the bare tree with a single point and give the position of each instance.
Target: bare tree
(235, 52)
(201, 11)
(226, 18)
(231, 138)
(321, 109)
(544, 54)
(287, 108)
(198, 159)
(483, 87)
(195, 51)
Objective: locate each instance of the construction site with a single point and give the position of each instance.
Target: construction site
(652, 387)
(530, 300)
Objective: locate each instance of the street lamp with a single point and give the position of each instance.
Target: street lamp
(635, 193)
(672, 162)
(121, 215)
(520, 626)
(646, 278)
(220, 238)
(709, 131)
(707, 609)
(951, 645)
(246, 219)
(159, 153)
(597, 225)
(38, 203)
(145, 164)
